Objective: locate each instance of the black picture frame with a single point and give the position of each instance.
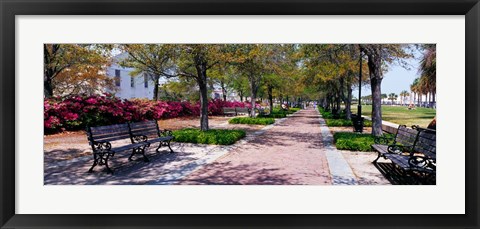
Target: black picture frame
(9, 9)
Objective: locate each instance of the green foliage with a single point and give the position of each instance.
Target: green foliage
(273, 115)
(213, 136)
(279, 113)
(252, 121)
(353, 141)
(345, 122)
(340, 120)
(293, 110)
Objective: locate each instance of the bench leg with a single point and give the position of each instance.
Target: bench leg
(164, 144)
(95, 163)
(131, 155)
(141, 151)
(101, 159)
(159, 146)
(145, 158)
(168, 144)
(109, 171)
(378, 157)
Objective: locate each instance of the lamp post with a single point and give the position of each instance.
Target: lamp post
(359, 111)
(358, 122)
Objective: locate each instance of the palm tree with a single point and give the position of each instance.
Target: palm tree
(428, 71)
(392, 97)
(415, 90)
(404, 94)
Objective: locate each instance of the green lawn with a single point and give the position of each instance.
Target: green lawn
(402, 115)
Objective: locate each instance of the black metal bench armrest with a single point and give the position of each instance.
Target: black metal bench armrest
(164, 133)
(383, 140)
(398, 149)
(139, 138)
(101, 146)
(423, 163)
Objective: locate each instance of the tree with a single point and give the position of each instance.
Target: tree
(334, 69)
(59, 58)
(378, 56)
(195, 61)
(415, 90)
(392, 97)
(403, 95)
(153, 59)
(250, 60)
(281, 65)
(83, 79)
(428, 71)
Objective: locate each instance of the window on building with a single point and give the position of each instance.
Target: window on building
(117, 77)
(132, 81)
(145, 80)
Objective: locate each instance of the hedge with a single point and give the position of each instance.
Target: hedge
(212, 136)
(76, 112)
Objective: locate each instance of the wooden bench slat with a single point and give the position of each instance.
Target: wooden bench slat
(143, 125)
(128, 147)
(112, 138)
(146, 133)
(109, 128)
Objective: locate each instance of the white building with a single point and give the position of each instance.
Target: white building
(141, 86)
(127, 86)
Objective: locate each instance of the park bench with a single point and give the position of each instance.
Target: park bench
(417, 159)
(404, 136)
(229, 111)
(236, 111)
(102, 138)
(242, 110)
(149, 131)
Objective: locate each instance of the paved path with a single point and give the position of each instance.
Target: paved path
(297, 151)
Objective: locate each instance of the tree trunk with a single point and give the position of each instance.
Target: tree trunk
(202, 83)
(47, 87)
(253, 91)
(241, 95)
(155, 88)
(419, 99)
(375, 71)
(224, 91)
(270, 97)
(49, 71)
(348, 102)
(376, 107)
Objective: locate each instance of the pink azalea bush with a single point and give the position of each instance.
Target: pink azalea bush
(77, 112)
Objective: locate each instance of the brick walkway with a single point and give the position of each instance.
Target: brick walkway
(297, 150)
(289, 153)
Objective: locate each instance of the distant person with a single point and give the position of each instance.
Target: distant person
(411, 107)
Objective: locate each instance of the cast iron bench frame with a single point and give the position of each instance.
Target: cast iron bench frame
(404, 137)
(101, 138)
(141, 131)
(417, 159)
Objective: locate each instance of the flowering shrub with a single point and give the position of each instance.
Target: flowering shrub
(77, 112)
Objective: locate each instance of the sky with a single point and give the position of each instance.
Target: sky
(396, 79)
